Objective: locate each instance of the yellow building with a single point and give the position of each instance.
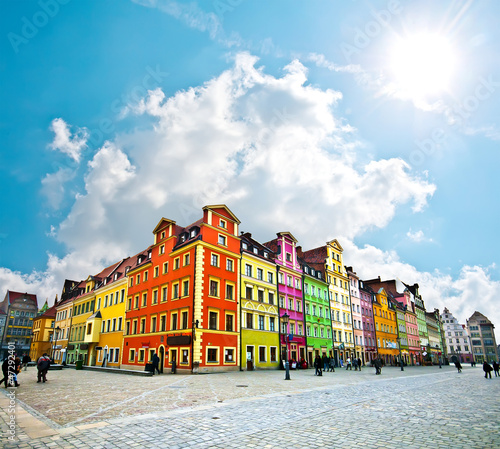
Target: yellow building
(259, 322)
(64, 312)
(82, 326)
(340, 305)
(43, 334)
(110, 309)
(386, 332)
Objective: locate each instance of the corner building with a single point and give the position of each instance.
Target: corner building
(182, 297)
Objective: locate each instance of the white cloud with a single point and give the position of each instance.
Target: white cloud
(418, 236)
(65, 142)
(53, 186)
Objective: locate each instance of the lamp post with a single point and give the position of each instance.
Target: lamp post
(56, 331)
(285, 319)
(400, 358)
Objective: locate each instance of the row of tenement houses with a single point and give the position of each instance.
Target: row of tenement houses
(214, 299)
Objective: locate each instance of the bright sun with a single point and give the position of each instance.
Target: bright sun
(422, 65)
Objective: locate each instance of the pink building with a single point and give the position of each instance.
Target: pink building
(290, 295)
(366, 304)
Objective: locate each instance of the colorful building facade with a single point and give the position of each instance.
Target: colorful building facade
(318, 322)
(182, 298)
(290, 299)
(260, 340)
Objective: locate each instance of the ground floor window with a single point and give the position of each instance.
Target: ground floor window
(212, 354)
(229, 355)
(273, 352)
(185, 356)
(262, 353)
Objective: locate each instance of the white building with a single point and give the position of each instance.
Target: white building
(456, 338)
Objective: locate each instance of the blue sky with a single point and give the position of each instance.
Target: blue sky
(374, 122)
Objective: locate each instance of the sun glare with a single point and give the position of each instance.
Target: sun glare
(422, 65)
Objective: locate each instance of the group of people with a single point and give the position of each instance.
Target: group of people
(12, 366)
(355, 362)
(487, 368)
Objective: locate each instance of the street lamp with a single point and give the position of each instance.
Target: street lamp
(56, 330)
(285, 319)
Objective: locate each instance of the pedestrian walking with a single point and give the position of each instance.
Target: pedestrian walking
(42, 366)
(458, 366)
(155, 361)
(332, 364)
(487, 369)
(326, 362)
(355, 363)
(348, 364)
(378, 366)
(496, 368)
(26, 360)
(174, 366)
(317, 365)
(359, 363)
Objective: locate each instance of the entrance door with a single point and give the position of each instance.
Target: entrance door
(174, 356)
(161, 355)
(250, 358)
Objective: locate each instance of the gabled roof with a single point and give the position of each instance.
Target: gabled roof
(11, 297)
(335, 243)
(222, 206)
(163, 223)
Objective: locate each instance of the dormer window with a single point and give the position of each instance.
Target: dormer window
(256, 251)
(306, 269)
(116, 276)
(266, 254)
(244, 245)
(313, 272)
(149, 254)
(193, 233)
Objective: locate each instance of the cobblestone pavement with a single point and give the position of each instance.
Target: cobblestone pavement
(421, 407)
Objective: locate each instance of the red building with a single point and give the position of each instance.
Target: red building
(182, 296)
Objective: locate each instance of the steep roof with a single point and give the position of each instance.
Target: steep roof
(316, 255)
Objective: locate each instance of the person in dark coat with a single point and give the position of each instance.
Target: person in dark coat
(487, 369)
(326, 362)
(496, 368)
(26, 360)
(378, 366)
(458, 365)
(359, 363)
(332, 364)
(43, 365)
(156, 363)
(318, 364)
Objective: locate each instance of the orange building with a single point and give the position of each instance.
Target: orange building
(182, 296)
(386, 332)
